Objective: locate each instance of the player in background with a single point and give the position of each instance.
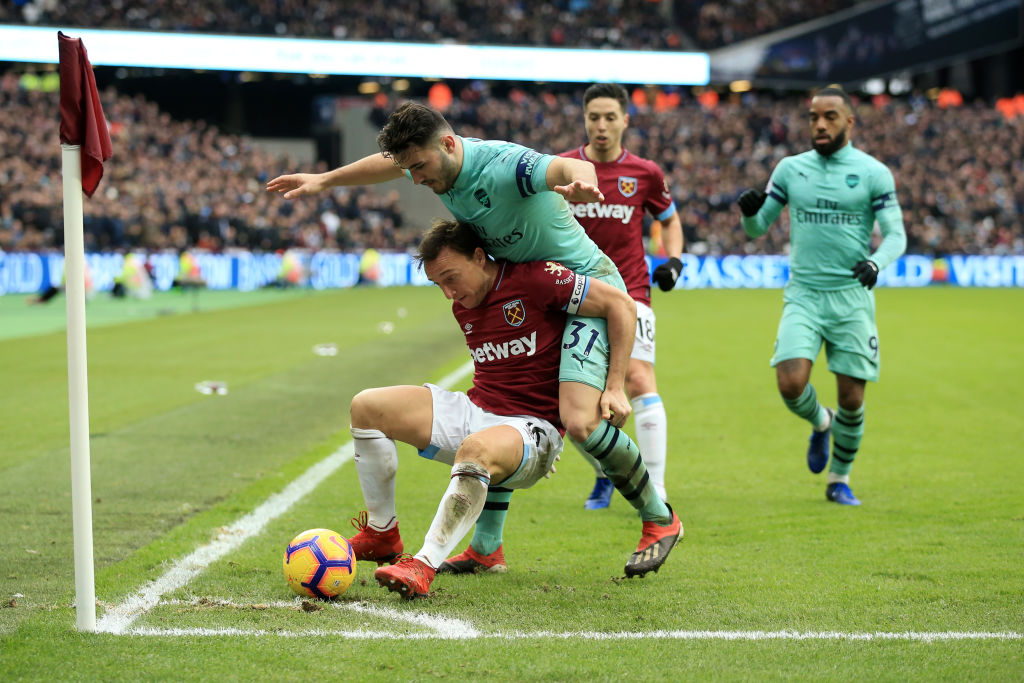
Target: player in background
(505, 429)
(835, 194)
(515, 199)
(631, 185)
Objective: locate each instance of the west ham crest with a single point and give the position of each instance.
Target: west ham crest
(627, 186)
(554, 268)
(515, 314)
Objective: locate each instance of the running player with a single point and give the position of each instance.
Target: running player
(835, 194)
(515, 199)
(631, 186)
(505, 429)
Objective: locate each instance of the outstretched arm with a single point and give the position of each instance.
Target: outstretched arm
(369, 170)
(574, 179)
(614, 305)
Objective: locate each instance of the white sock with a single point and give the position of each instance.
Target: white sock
(824, 420)
(834, 478)
(589, 458)
(460, 506)
(652, 437)
(376, 459)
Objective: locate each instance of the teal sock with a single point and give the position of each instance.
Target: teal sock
(806, 406)
(847, 431)
(491, 522)
(598, 471)
(620, 459)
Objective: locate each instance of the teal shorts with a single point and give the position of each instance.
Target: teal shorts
(585, 351)
(842, 319)
(585, 347)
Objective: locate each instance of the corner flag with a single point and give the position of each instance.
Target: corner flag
(81, 116)
(85, 145)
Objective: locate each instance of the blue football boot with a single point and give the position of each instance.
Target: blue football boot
(841, 493)
(817, 450)
(601, 496)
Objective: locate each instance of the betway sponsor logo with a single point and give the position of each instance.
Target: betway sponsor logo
(622, 212)
(516, 347)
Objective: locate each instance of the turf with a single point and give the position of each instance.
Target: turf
(937, 546)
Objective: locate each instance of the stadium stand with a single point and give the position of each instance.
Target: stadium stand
(577, 23)
(958, 168)
(173, 184)
(177, 184)
(716, 23)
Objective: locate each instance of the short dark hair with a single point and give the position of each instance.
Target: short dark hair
(410, 124)
(458, 236)
(612, 90)
(835, 90)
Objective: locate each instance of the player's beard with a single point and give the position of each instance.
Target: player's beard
(447, 173)
(832, 146)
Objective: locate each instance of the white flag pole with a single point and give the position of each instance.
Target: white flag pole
(78, 387)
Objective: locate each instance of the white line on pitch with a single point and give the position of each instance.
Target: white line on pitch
(916, 636)
(120, 617)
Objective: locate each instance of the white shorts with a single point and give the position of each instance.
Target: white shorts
(643, 345)
(456, 417)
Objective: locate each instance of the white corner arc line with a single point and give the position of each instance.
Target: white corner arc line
(457, 628)
(119, 618)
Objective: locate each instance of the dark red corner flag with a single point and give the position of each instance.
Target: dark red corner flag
(81, 115)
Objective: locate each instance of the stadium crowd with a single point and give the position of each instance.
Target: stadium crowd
(706, 24)
(173, 184)
(716, 23)
(959, 170)
(565, 23)
(178, 184)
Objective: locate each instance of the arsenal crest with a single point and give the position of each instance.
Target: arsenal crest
(515, 314)
(627, 186)
(852, 180)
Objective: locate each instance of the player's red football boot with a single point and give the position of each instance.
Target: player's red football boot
(375, 546)
(470, 561)
(410, 577)
(655, 545)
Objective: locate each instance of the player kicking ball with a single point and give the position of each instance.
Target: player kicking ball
(505, 430)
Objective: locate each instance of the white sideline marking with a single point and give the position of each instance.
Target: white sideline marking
(925, 637)
(119, 618)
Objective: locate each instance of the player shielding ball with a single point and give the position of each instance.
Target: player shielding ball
(515, 200)
(505, 430)
(835, 194)
(632, 186)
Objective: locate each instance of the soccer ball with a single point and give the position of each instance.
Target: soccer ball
(319, 563)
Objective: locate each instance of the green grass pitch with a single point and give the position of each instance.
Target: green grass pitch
(770, 581)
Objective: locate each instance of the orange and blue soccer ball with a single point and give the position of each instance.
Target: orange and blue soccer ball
(319, 563)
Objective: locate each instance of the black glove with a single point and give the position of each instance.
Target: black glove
(667, 273)
(750, 202)
(867, 272)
